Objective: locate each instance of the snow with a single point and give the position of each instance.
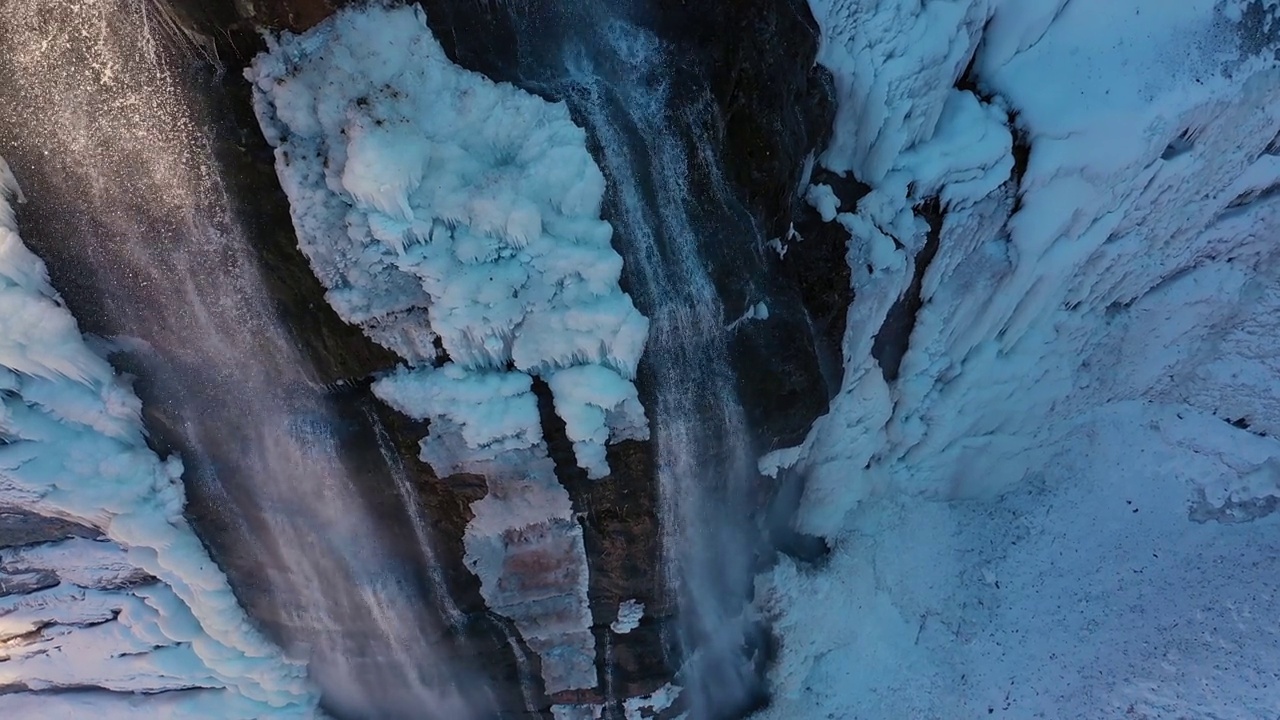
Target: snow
(758, 311)
(824, 200)
(1090, 325)
(1100, 222)
(436, 204)
(1086, 593)
(598, 407)
(889, 60)
(177, 705)
(143, 609)
(577, 712)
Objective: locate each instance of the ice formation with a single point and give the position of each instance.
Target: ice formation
(630, 612)
(1094, 348)
(457, 221)
(438, 206)
(104, 588)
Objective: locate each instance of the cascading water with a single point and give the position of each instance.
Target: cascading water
(705, 463)
(448, 609)
(129, 207)
(616, 76)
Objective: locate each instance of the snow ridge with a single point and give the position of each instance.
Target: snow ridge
(139, 607)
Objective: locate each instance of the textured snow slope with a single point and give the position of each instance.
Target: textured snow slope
(457, 221)
(1090, 323)
(104, 585)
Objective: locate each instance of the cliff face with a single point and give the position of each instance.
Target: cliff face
(764, 108)
(105, 589)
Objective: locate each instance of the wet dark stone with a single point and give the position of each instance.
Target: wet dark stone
(212, 16)
(19, 527)
(816, 262)
(478, 35)
(295, 15)
(891, 342)
(746, 81)
(772, 107)
(758, 58)
(446, 503)
(765, 106)
(621, 533)
(338, 356)
(23, 583)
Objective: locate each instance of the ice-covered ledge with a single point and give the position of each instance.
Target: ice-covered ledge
(104, 587)
(457, 222)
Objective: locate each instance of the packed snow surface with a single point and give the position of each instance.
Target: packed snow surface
(1062, 506)
(107, 591)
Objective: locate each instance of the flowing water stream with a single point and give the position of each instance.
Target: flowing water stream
(617, 76)
(129, 206)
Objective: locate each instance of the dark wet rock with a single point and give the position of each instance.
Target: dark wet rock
(772, 107)
(337, 349)
(758, 57)
(26, 582)
(210, 17)
(815, 261)
(892, 340)
(484, 636)
(19, 527)
(338, 357)
(751, 104)
(479, 36)
(295, 15)
(622, 534)
(749, 66)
